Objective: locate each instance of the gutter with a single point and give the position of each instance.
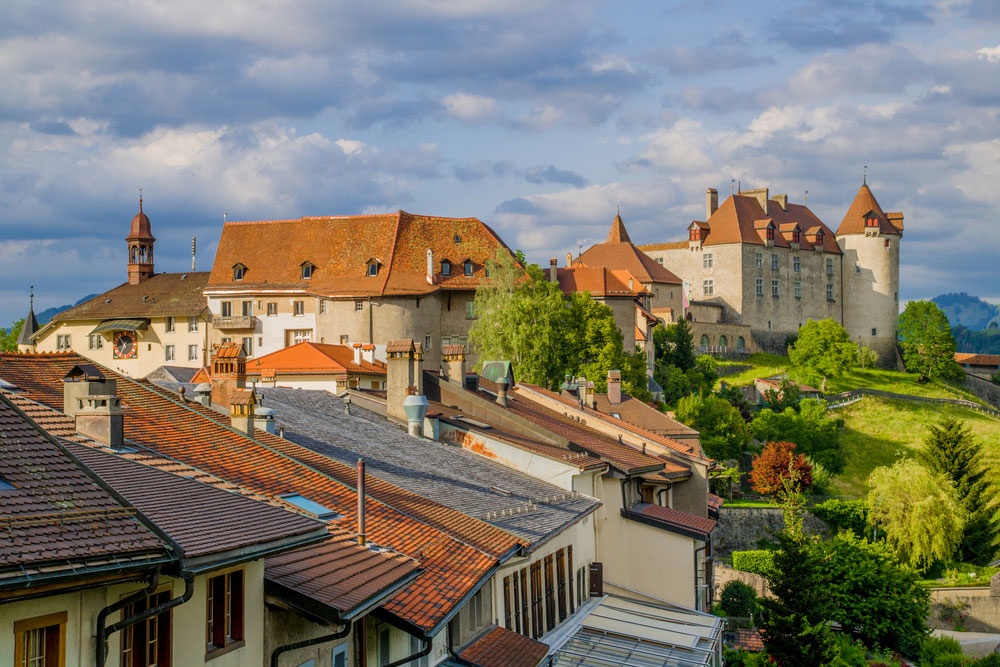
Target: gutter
(306, 643)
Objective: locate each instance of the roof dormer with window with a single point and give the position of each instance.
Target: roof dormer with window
(697, 233)
(468, 268)
(239, 271)
(306, 270)
(445, 267)
(765, 230)
(372, 267)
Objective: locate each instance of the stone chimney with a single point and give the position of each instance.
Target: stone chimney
(368, 353)
(502, 392)
(615, 387)
(760, 194)
(581, 390)
(242, 411)
(553, 270)
(711, 202)
(453, 363)
(782, 201)
(404, 375)
(229, 372)
(569, 260)
(92, 400)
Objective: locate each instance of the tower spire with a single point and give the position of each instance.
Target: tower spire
(140, 247)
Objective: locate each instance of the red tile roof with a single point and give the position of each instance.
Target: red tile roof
(600, 281)
(673, 520)
(624, 255)
(502, 648)
(341, 247)
(313, 359)
(456, 551)
(971, 359)
(864, 204)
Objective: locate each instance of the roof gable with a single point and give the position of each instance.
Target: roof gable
(864, 208)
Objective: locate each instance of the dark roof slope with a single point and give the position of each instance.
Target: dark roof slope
(178, 294)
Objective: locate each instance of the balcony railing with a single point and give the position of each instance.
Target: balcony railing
(235, 322)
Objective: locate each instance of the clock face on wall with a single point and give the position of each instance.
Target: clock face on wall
(125, 345)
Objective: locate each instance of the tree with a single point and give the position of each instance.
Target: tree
(926, 341)
(674, 344)
(722, 431)
(778, 471)
(951, 449)
(917, 510)
(823, 347)
(8, 337)
(595, 345)
(815, 434)
(676, 368)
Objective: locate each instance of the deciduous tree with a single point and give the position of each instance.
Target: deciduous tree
(778, 470)
(722, 430)
(952, 450)
(8, 337)
(917, 510)
(823, 347)
(816, 435)
(926, 341)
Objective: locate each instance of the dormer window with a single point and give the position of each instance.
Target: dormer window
(468, 267)
(372, 267)
(445, 268)
(307, 269)
(796, 235)
(770, 233)
(239, 271)
(458, 239)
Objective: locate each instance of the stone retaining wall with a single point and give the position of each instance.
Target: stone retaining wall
(745, 528)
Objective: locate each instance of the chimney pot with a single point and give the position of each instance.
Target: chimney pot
(614, 387)
(502, 392)
(553, 270)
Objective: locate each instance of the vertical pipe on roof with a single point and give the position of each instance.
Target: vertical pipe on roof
(362, 538)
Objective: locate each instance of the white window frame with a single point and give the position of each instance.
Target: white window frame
(169, 352)
(194, 353)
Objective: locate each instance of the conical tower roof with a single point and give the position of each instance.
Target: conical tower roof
(140, 229)
(865, 206)
(30, 325)
(618, 233)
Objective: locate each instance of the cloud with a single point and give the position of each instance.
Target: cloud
(550, 174)
(990, 53)
(482, 169)
(471, 108)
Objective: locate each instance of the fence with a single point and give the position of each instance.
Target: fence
(848, 397)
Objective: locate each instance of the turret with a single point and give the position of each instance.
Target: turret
(140, 248)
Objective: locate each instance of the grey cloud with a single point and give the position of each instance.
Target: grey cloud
(551, 174)
(482, 169)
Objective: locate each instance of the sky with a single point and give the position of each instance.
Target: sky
(542, 118)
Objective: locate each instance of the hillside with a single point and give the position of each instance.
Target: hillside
(878, 430)
(967, 311)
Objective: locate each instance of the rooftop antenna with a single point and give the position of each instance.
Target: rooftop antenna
(864, 178)
(223, 217)
(140, 200)
(194, 249)
(31, 298)
(805, 197)
(732, 185)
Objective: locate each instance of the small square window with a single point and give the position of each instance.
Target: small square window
(95, 342)
(874, 332)
(359, 304)
(708, 287)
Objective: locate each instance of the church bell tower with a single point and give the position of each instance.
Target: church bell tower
(140, 248)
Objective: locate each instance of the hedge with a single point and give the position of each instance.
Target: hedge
(759, 561)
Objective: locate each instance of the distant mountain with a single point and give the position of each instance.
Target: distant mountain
(969, 312)
(49, 313)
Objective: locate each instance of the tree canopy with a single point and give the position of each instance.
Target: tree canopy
(778, 471)
(8, 337)
(926, 341)
(676, 368)
(952, 450)
(823, 347)
(722, 430)
(523, 317)
(918, 511)
(816, 434)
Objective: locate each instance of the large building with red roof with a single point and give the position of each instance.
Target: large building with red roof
(349, 279)
(760, 266)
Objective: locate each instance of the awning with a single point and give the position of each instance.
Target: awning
(135, 324)
(628, 633)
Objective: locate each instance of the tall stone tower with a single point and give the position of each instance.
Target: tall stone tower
(140, 248)
(870, 241)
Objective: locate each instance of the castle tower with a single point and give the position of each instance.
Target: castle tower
(870, 241)
(140, 248)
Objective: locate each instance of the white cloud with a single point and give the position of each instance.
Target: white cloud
(351, 147)
(471, 108)
(990, 53)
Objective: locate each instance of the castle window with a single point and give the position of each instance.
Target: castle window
(829, 266)
(758, 287)
(723, 342)
(467, 266)
(759, 259)
(704, 340)
(708, 287)
(874, 332)
(829, 291)
(774, 288)
(798, 289)
(707, 261)
(445, 268)
(774, 262)
(307, 269)
(239, 271)
(796, 264)
(359, 304)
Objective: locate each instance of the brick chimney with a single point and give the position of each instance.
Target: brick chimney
(92, 400)
(711, 202)
(229, 372)
(615, 387)
(453, 363)
(404, 375)
(242, 411)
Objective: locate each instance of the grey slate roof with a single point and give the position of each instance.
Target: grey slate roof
(530, 508)
(29, 328)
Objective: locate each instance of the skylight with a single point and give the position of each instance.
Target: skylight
(311, 506)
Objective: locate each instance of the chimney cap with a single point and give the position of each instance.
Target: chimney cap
(84, 373)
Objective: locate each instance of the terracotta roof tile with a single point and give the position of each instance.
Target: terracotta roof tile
(977, 359)
(313, 358)
(864, 203)
(673, 520)
(456, 551)
(502, 648)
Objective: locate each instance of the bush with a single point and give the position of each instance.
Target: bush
(932, 648)
(992, 660)
(738, 599)
(867, 357)
(849, 652)
(995, 378)
(844, 515)
(756, 562)
(951, 660)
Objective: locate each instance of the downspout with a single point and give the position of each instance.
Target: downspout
(697, 602)
(451, 651)
(306, 643)
(371, 327)
(416, 656)
(103, 614)
(103, 633)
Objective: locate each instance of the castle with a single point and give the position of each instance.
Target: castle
(759, 266)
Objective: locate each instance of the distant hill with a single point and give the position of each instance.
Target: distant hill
(969, 312)
(49, 313)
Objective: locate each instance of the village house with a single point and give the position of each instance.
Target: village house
(152, 320)
(319, 366)
(349, 279)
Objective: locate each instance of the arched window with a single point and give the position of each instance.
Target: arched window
(704, 340)
(740, 344)
(723, 342)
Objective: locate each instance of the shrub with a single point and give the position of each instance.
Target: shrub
(933, 648)
(992, 660)
(738, 599)
(951, 660)
(849, 652)
(867, 357)
(844, 515)
(995, 378)
(756, 562)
